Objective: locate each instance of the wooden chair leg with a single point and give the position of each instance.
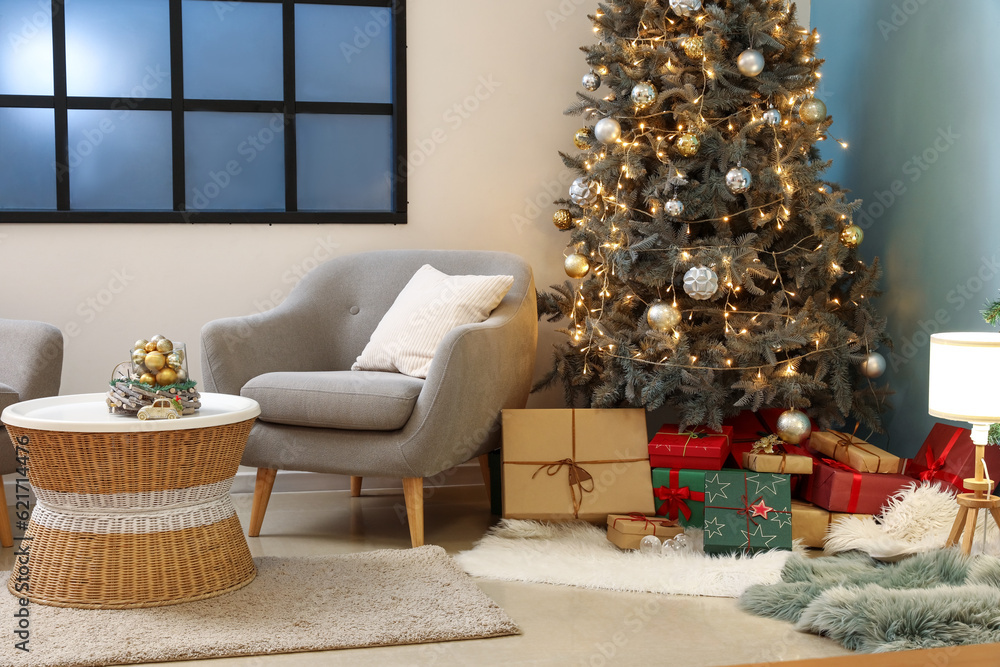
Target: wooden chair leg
(261, 495)
(413, 495)
(484, 468)
(6, 537)
(355, 486)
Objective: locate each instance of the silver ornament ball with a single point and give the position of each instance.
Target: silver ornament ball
(643, 94)
(608, 130)
(663, 316)
(685, 7)
(793, 426)
(750, 62)
(812, 110)
(701, 283)
(772, 117)
(674, 207)
(873, 366)
(738, 180)
(584, 192)
(591, 80)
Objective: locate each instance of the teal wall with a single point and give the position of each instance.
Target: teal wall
(911, 85)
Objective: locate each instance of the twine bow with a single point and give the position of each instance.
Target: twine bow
(647, 522)
(577, 477)
(845, 441)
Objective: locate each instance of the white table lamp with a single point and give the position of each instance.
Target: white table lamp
(964, 374)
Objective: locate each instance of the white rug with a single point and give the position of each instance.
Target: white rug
(579, 554)
(405, 596)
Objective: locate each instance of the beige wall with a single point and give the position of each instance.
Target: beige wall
(488, 82)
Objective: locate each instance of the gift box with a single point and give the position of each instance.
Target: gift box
(948, 456)
(696, 448)
(810, 523)
(627, 530)
(839, 488)
(575, 464)
(679, 495)
(790, 460)
(747, 512)
(855, 452)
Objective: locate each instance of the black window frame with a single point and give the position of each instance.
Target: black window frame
(178, 105)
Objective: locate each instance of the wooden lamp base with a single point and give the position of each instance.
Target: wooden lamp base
(965, 525)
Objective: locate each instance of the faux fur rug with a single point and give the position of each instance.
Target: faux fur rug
(406, 596)
(940, 598)
(918, 519)
(579, 554)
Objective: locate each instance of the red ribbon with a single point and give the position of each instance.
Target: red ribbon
(852, 504)
(675, 497)
(935, 468)
(647, 522)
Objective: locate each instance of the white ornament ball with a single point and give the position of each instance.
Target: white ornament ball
(674, 207)
(772, 117)
(643, 94)
(873, 366)
(701, 283)
(738, 180)
(650, 544)
(663, 316)
(670, 547)
(683, 542)
(750, 62)
(685, 7)
(608, 130)
(591, 81)
(584, 192)
(793, 426)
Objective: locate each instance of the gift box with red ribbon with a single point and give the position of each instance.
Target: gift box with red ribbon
(626, 530)
(679, 495)
(747, 512)
(696, 448)
(948, 456)
(838, 487)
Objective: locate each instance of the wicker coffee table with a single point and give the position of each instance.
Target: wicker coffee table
(132, 513)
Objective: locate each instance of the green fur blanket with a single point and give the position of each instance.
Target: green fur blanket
(940, 598)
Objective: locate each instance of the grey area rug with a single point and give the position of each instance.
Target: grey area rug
(377, 598)
(930, 600)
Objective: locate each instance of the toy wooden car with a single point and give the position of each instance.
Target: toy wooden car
(162, 408)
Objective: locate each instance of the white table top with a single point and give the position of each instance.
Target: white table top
(88, 413)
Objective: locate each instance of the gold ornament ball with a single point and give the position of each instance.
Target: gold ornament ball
(852, 236)
(155, 361)
(583, 139)
(138, 356)
(157, 337)
(165, 346)
(166, 376)
(663, 316)
(688, 144)
(694, 47)
(182, 375)
(793, 426)
(576, 265)
(148, 378)
(175, 360)
(150, 346)
(562, 219)
(140, 344)
(812, 110)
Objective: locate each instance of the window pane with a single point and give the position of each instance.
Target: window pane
(234, 161)
(27, 158)
(26, 49)
(343, 54)
(232, 51)
(120, 160)
(344, 162)
(118, 48)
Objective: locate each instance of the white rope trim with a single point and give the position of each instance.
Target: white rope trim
(133, 522)
(138, 501)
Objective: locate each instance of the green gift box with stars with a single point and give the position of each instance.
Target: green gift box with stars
(747, 512)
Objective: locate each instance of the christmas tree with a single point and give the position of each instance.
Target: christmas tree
(714, 270)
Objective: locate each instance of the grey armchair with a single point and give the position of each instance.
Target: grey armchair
(316, 415)
(31, 355)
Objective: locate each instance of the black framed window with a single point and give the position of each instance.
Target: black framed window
(202, 111)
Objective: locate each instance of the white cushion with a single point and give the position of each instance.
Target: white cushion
(431, 305)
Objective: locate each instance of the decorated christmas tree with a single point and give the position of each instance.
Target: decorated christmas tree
(713, 269)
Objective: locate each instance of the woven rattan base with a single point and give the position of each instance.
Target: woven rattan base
(123, 571)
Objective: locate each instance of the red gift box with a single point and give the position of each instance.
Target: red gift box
(697, 448)
(837, 487)
(948, 456)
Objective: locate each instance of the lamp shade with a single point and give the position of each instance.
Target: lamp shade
(964, 377)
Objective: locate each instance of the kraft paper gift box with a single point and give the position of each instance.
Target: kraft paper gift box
(839, 488)
(791, 460)
(696, 448)
(811, 523)
(680, 495)
(855, 452)
(747, 512)
(948, 456)
(575, 464)
(627, 530)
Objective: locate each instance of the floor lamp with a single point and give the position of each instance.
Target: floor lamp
(964, 371)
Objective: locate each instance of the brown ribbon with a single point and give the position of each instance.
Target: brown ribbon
(847, 441)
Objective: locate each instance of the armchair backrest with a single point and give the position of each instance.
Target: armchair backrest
(31, 356)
